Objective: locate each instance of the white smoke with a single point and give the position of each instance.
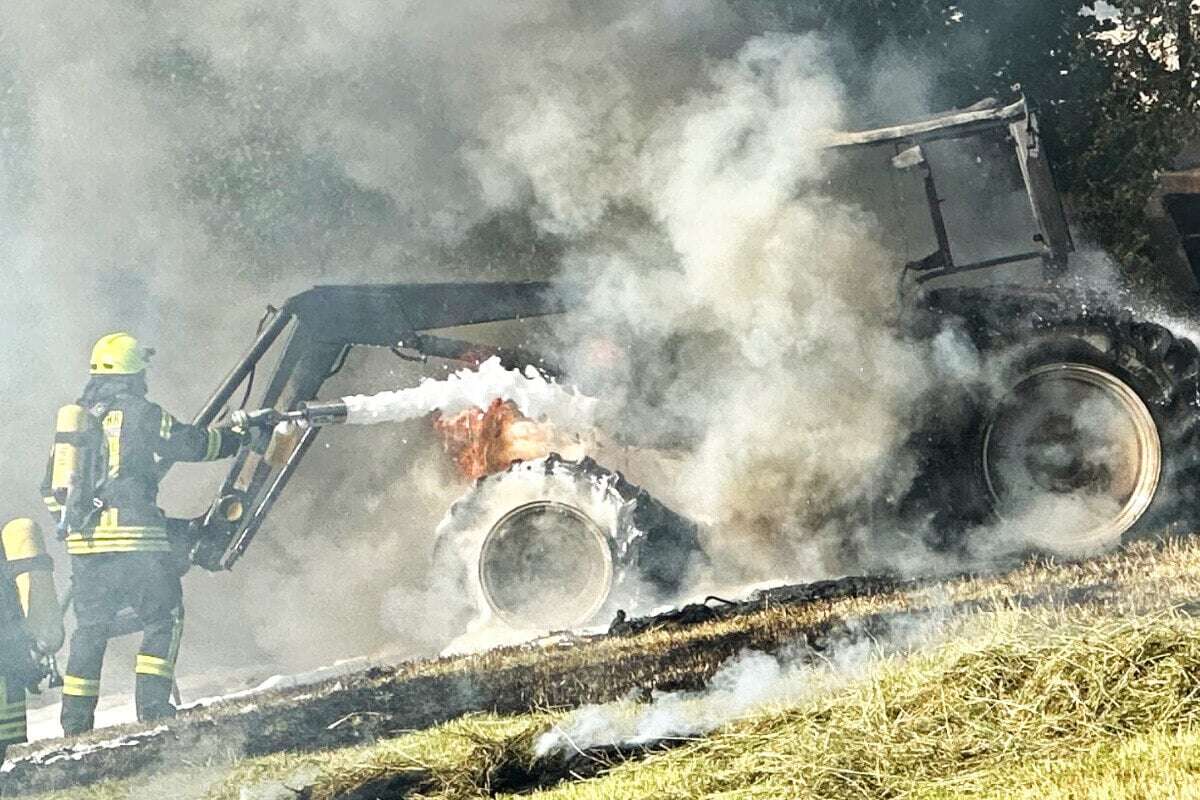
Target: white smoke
(171, 169)
(755, 307)
(750, 683)
(536, 396)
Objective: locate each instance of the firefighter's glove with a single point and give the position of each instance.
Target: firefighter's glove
(47, 669)
(244, 435)
(256, 438)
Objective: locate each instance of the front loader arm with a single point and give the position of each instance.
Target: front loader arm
(313, 332)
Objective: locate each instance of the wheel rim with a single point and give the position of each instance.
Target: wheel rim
(546, 565)
(1074, 453)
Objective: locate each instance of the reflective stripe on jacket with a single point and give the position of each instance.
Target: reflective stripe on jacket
(111, 536)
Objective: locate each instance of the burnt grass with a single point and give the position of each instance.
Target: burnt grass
(509, 773)
(680, 650)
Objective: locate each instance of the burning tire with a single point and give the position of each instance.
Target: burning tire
(1086, 436)
(551, 544)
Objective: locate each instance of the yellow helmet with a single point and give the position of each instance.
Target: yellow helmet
(17, 535)
(119, 354)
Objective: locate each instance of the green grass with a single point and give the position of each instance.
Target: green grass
(454, 758)
(1158, 764)
(450, 758)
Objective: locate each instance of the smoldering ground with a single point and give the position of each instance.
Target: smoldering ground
(750, 683)
(170, 170)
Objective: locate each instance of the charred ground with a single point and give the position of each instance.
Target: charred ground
(676, 651)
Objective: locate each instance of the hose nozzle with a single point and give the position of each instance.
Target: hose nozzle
(315, 414)
(327, 413)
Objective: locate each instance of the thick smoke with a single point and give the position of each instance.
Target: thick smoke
(172, 169)
(759, 305)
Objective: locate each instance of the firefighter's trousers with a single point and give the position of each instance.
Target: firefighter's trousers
(103, 585)
(12, 713)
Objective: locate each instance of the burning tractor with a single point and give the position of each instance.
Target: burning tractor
(1090, 411)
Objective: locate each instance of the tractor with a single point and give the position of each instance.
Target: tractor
(1090, 415)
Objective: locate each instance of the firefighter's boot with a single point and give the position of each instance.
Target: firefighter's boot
(78, 710)
(153, 698)
(12, 714)
(81, 683)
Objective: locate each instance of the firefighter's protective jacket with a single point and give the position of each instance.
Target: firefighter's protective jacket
(138, 436)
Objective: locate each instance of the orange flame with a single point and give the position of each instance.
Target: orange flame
(484, 442)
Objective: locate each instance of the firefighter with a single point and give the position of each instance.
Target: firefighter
(31, 629)
(124, 551)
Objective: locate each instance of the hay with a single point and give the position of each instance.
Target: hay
(464, 759)
(1150, 766)
(960, 721)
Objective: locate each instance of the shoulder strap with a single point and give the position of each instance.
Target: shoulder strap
(98, 443)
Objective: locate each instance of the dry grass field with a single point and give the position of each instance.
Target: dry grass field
(1054, 680)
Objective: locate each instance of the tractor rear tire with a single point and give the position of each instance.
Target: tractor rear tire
(1084, 432)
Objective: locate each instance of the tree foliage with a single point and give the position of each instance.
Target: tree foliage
(1134, 124)
(1118, 99)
